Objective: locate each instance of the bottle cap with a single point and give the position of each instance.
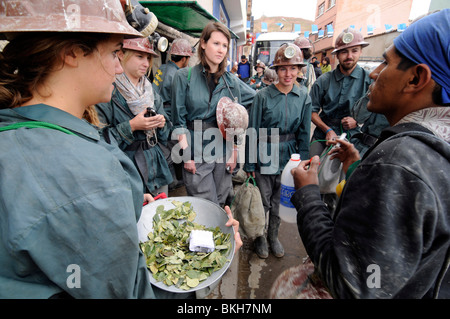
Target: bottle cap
(295, 157)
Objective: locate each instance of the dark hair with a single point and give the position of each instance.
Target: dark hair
(405, 63)
(27, 61)
(177, 58)
(307, 53)
(326, 59)
(206, 35)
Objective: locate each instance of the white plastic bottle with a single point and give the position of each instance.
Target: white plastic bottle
(288, 213)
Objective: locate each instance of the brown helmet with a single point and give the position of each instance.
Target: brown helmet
(232, 119)
(349, 38)
(288, 54)
(102, 16)
(181, 47)
(139, 44)
(303, 43)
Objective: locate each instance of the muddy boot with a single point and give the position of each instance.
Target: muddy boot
(261, 248)
(272, 234)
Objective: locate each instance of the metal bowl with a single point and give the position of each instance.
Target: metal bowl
(208, 213)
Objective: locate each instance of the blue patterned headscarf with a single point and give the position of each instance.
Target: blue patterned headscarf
(427, 41)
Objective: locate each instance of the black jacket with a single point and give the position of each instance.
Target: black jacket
(392, 221)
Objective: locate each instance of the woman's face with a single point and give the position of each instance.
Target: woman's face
(101, 69)
(216, 49)
(287, 75)
(136, 65)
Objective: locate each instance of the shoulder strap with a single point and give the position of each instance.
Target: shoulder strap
(35, 124)
(189, 74)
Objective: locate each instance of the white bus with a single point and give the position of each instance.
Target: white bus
(267, 44)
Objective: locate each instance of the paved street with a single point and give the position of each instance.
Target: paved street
(250, 277)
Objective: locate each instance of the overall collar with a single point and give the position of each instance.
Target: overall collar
(356, 73)
(47, 113)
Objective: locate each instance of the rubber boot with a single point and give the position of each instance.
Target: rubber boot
(261, 248)
(272, 234)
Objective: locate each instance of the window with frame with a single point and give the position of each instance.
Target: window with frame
(321, 9)
(331, 3)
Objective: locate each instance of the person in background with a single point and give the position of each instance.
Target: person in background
(243, 70)
(285, 106)
(195, 94)
(135, 116)
(180, 54)
(306, 76)
(270, 77)
(370, 125)
(334, 94)
(326, 66)
(317, 69)
(255, 81)
(234, 69)
(390, 235)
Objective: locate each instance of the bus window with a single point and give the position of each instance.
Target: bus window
(265, 50)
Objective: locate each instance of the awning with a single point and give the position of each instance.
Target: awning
(185, 16)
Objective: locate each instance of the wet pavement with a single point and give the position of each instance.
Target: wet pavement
(250, 277)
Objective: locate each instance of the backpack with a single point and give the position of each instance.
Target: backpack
(248, 209)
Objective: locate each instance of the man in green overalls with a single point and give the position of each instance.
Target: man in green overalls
(334, 93)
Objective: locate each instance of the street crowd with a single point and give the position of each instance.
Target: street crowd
(86, 138)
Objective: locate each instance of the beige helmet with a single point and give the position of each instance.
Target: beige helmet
(232, 120)
(181, 47)
(101, 16)
(349, 38)
(260, 64)
(288, 54)
(303, 43)
(270, 76)
(139, 44)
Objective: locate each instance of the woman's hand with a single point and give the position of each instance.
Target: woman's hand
(142, 123)
(148, 198)
(189, 166)
(233, 222)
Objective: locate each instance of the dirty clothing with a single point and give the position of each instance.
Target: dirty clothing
(67, 201)
(162, 84)
(291, 114)
(392, 219)
(149, 160)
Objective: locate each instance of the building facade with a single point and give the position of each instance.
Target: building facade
(373, 18)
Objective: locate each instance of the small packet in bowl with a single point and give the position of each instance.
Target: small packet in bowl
(201, 241)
